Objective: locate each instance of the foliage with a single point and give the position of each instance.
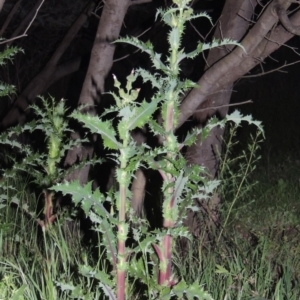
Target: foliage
(7, 55)
(53, 264)
(151, 252)
(236, 168)
(23, 256)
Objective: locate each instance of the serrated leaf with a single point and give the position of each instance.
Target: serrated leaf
(108, 291)
(174, 38)
(237, 118)
(83, 195)
(207, 46)
(109, 240)
(65, 286)
(18, 294)
(179, 187)
(148, 48)
(142, 114)
(221, 270)
(95, 125)
(147, 76)
(191, 292)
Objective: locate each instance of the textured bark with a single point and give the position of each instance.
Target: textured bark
(40, 82)
(224, 68)
(100, 64)
(138, 192)
(237, 63)
(233, 24)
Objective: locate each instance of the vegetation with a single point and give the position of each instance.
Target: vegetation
(44, 253)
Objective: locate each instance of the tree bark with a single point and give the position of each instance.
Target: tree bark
(226, 68)
(237, 63)
(100, 64)
(233, 24)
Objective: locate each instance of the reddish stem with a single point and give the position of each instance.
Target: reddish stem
(165, 272)
(121, 272)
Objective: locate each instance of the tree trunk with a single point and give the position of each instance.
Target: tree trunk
(101, 61)
(100, 64)
(233, 24)
(223, 69)
(239, 62)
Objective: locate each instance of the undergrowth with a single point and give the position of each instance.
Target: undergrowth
(252, 253)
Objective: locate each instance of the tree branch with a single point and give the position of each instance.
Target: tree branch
(285, 21)
(227, 70)
(273, 70)
(225, 105)
(42, 79)
(65, 69)
(15, 35)
(135, 2)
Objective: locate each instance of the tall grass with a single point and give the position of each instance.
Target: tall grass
(33, 263)
(255, 251)
(257, 257)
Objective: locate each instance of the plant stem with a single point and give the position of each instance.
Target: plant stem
(165, 272)
(122, 229)
(252, 153)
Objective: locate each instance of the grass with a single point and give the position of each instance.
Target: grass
(257, 256)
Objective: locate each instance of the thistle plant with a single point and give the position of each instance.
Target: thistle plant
(42, 166)
(150, 253)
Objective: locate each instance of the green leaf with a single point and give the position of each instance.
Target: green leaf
(221, 270)
(108, 291)
(95, 125)
(142, 114)
(18, 294)
(147, 76)
(208, 46)
(174, 38)
(109, 236)
(65, 286)
(83, 195)
(191, 292)
(237, 118)
(148, 48)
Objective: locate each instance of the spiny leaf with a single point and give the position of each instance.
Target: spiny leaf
(8, 53)
(108, 291)
(142, 114)
(207, 46)
(109, 236)
(148, 48)
(200, 15)
(147, 76)
(237, 118)
(97, 126)
(191, 292)
(82, 194)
